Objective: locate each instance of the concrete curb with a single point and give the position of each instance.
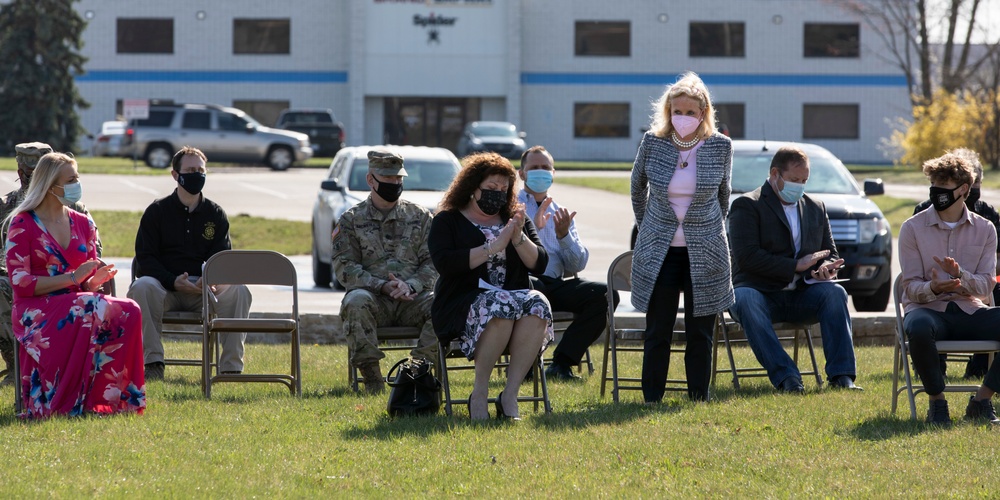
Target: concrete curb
(326, 329)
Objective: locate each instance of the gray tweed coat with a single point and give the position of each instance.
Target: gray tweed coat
(704, 223)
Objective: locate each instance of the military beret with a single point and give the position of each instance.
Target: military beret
(28, 153)
(385, 162)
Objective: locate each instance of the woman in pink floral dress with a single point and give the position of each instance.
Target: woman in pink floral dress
(81, 351)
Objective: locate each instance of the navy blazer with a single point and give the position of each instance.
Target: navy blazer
(452, 237)
(764, 254)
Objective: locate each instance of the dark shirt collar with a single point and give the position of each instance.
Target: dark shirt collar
(177, 199)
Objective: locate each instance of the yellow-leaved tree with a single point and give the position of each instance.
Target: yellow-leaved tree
(963, 120)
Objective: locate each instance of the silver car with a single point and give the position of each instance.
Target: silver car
(429, 174)
(223, 134)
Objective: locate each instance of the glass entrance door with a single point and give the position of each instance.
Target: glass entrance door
(425, 121)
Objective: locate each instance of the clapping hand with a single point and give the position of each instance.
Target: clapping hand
(563, 218)
(542, 216)
(103, 274)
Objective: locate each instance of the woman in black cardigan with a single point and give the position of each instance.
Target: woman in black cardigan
(483, 247)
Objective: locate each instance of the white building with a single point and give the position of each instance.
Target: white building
(577, 75)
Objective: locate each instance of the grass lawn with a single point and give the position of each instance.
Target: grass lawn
(256, 440)
(118, 230)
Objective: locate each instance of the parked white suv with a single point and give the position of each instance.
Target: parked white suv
(223, 134)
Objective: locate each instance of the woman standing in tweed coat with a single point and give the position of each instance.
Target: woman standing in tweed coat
(680, 196)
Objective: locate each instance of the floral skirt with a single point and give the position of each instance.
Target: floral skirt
(504, 304)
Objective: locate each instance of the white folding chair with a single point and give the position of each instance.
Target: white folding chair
(901, 356)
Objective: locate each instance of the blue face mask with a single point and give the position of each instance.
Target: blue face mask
(72, 193)
(792, 192)
(538, 180)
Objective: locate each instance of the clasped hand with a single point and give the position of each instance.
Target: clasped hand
(512, 229)
(184, 284)
(398, 289)
(952, 282)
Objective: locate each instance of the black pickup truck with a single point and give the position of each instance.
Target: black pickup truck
(326, 134)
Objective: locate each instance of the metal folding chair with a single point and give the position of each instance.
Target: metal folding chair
(901, 356)
(787, 332)
(390, 338)
(186, 323)
(540, 393)
(249, 267)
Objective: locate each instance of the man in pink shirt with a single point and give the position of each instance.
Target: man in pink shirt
(948, 260)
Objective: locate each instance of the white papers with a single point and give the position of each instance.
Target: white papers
(810, 281)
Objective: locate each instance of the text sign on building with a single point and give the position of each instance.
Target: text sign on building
(137, 109)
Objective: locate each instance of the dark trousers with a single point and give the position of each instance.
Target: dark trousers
(588, 300)
(674, 277)
(924, 327)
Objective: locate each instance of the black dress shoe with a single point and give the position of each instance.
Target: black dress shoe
(791, 385)
(560, 373)
(844, 382)
(501, 415)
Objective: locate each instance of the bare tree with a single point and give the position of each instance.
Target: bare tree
(903, 28)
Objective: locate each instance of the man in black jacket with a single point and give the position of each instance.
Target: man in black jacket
(784, 265)
(177, 234)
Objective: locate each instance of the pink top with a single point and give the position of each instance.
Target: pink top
(681, 190)
(972, 243)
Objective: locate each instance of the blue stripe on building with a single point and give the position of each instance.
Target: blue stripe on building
(758, 80)
(137, 76)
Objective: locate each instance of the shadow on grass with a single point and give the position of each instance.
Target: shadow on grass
(885, 427)
(387, 428)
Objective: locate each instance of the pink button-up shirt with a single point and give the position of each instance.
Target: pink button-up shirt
(972, 243)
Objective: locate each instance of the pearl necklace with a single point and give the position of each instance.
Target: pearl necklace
(684, 144)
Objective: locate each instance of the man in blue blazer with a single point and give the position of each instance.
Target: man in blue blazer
(784, 266)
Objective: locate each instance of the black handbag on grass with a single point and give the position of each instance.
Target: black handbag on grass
(415, 390)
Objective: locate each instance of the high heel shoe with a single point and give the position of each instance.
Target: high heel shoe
(502, 415)
(469, 404)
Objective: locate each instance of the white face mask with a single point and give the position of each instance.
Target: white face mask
(685, 125)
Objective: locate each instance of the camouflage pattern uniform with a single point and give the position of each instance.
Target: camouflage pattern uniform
(367, 247)
(27, 156)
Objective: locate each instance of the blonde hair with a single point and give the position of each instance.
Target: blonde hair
(688, 85)
(42, 180)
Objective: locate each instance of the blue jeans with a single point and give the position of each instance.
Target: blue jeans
(826, 304)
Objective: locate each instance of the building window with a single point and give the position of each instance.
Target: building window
(603, 38)
(262, 36)
(145, 36)
(265, 112)
(600, 119)
(730, 119)
(717, 40)
(832, 40)
(830, 121)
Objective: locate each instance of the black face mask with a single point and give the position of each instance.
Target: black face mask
(490, 201)
(389, 192)
(192, 182)
(973, 198)
(943, 198)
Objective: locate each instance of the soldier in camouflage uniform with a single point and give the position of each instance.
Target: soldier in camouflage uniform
(26, 155)
(380, 255)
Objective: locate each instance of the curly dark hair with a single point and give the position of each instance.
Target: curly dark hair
(476, 168)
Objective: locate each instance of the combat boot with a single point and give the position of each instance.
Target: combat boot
(372, 377)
